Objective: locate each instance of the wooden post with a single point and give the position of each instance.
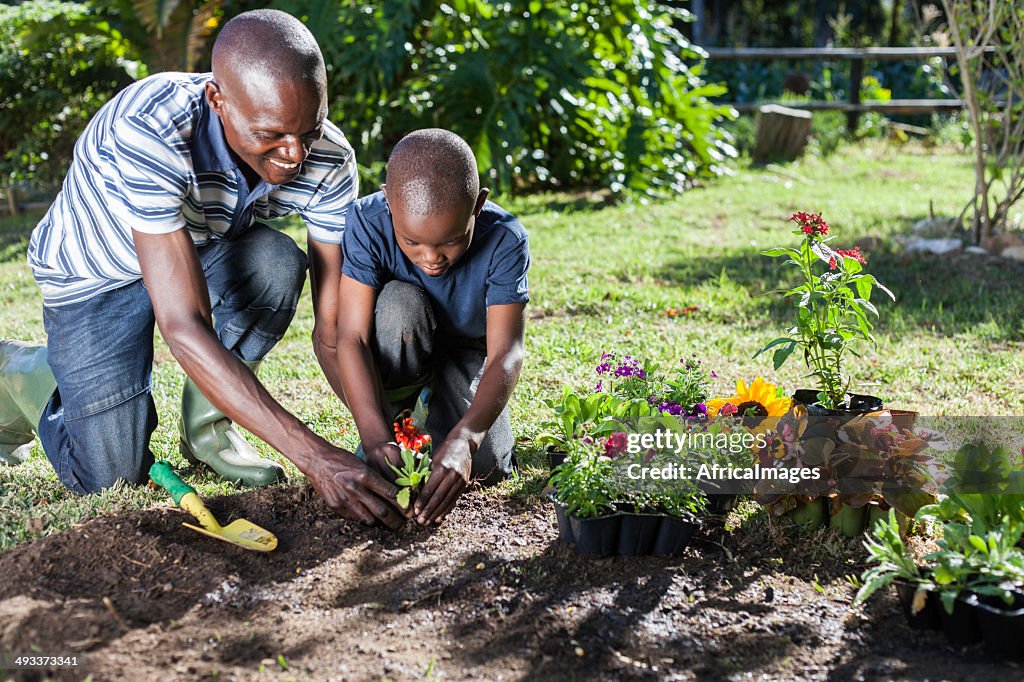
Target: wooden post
(856, 76)
(699, 21)
(12, 200)
(781, 133)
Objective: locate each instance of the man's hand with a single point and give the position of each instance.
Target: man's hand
(354, 490)
(450, 469)
(380, 455)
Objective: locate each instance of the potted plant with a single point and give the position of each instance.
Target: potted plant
(605, 506)
(863, 467)
(834, 314)
(972, 586)
(625, 389)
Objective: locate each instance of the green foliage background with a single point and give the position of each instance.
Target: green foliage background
(558, 93)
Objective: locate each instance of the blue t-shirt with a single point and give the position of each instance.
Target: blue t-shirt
(491, 272)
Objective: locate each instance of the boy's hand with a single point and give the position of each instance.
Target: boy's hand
(450, 469)
(379, 455)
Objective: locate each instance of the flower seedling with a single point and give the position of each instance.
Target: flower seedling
(415, 468)
(834, 312)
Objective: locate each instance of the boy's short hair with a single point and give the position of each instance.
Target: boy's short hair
(432, 172)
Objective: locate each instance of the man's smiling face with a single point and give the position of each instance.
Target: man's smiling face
(269, 124)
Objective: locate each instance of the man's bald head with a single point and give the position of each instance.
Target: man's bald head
(265, 47)
(433, 172)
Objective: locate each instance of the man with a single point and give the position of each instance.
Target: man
(157, 222)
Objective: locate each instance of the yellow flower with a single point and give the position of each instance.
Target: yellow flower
(757, 400)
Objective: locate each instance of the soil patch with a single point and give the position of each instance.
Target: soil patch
(490, 595)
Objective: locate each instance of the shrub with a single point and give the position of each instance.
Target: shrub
(559, 93)
(58, 64)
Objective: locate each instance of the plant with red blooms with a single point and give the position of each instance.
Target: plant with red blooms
(408, 436)
(833, 307)
(415, 469)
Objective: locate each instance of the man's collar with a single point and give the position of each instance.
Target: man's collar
(210, 151)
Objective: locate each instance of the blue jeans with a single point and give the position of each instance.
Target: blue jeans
(97, 426)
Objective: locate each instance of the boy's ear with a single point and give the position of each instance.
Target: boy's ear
(480, 199)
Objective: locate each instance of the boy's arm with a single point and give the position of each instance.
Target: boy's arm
(325, 276)
(453, 461)
(361, 387)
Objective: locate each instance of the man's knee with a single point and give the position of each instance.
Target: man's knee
(132, 469)
(94, 452)
(282, 280)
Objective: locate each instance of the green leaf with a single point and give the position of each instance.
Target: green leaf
(782, 354)
(403, 498)
(978, 544)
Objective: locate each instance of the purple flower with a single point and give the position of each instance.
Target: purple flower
(629, 367)
(603, 368)
(714, 374)
(598, 387)
(675, 409)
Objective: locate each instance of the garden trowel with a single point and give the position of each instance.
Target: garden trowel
(239, 532)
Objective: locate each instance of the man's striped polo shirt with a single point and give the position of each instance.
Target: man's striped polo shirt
(154, 159)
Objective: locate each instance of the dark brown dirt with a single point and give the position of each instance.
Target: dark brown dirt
(491, 595)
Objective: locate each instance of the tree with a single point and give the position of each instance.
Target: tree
(556, 93)
(59, 62)
(989, 39)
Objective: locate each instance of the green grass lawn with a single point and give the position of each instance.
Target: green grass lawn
(603, 278)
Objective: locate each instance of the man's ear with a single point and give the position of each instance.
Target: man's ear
(480, 199)
(214, 97)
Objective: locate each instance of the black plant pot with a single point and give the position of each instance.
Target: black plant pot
(1002, 630)
(564, 529)
(673, 536)
(625, 533)
(555, 458)
(961, 626)
(598, 536)
(855, 404)
(638, 533)
(929, 617)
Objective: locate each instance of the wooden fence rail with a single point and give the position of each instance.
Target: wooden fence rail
(856, 56)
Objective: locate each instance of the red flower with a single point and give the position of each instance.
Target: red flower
(810, 223)
(616, 444)
(728, 410)
(408, 436)
(853, 253)
(832, 263)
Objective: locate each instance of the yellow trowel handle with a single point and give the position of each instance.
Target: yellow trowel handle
(184, 495)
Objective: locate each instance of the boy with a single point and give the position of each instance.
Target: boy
(433, 293)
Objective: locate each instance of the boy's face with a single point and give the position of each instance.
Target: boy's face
(434, 243)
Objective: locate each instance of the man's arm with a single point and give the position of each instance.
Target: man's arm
(181, 305)
(360, 380)
(325, 277)
(453, 461)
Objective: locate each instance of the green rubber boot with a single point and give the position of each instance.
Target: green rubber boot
(26, 385)
(209, 437)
